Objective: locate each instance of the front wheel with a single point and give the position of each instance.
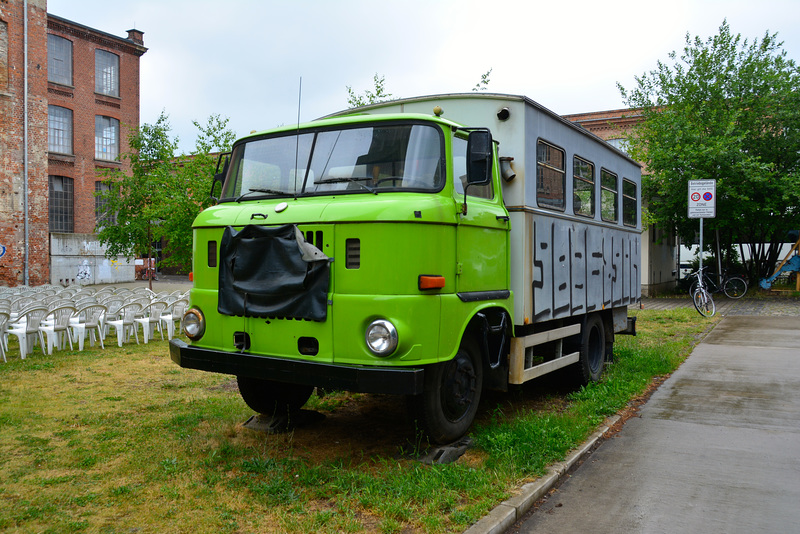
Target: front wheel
(704, 303)
(446, 408)
(735, 287)
(272, 398)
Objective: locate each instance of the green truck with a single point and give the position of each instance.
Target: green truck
(428, 247)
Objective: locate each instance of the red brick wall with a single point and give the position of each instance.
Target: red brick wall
(607, 124)
(84, 103)
(12, 235)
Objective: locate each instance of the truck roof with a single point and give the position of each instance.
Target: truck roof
(391, 106)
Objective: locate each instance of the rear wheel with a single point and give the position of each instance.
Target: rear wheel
(272, 398)
(735, 287)
(447, 407)
(592, 350)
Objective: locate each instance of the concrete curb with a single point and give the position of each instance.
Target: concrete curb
(505, 514)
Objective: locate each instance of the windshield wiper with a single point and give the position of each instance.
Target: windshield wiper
(353, 179)
(261, 190)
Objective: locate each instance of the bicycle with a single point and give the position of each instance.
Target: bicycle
(701, 298)
(733, 286)
(148, 273)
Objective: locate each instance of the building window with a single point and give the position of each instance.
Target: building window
(629, 203)
(106, 138)
(3, 55)
(59, 60)
(551, 177)
(608, 195)
(101, 215)
(619, 143)
(582, 187)
(61, 204)
(106, 73)
(59, 129)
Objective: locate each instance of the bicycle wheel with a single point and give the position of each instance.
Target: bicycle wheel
(735, 287)
(704, 303)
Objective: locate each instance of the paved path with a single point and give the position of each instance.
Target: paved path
(715, 450)
(725, 306)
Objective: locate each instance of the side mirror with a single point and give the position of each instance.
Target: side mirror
(219, 176)
(479, 157)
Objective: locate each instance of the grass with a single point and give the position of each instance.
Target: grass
(122, 440)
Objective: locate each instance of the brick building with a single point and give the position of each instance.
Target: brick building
(82, 97)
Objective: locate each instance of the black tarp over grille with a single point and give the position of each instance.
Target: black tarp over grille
(272, 272)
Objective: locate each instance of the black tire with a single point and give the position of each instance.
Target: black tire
(447, 407)
(592, 350)
(735, 287)
(703, 303)
(272, 398)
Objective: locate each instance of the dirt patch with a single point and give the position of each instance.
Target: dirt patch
(361, 427)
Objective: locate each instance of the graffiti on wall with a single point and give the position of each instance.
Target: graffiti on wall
(84, 271)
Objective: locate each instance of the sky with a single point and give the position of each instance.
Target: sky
(255, 61)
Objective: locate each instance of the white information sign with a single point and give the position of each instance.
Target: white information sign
(702, 199)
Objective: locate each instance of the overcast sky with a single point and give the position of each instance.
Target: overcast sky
(243, 59)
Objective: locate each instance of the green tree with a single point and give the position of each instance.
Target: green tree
(726, 109)
(135, 200)
(379, 93)
(187, 194)
(162, 194)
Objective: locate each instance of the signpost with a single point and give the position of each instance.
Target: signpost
(702, 204)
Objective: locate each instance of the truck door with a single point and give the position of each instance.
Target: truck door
(482, 234)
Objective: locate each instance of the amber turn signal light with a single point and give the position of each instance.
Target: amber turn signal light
(427, 281)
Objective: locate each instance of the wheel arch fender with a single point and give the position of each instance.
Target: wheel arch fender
(490, 329)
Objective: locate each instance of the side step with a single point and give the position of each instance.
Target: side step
(522, 369)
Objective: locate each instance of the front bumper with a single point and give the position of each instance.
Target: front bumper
(389, 380)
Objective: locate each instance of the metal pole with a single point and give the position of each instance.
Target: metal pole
(26, 230)
(701, 246)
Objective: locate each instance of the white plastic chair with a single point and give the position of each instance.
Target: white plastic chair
(151, 319)
(59, 326)
(88, 319)
(26, 328)
(3, 325)
(113, 305)
(125, 324)
(174, 312)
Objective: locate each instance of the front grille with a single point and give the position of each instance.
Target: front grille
(212, 253)
(315, 238)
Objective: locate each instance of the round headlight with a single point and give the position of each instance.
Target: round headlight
(194, 324)
(381, 337)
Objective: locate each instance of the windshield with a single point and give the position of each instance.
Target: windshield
(370, 159)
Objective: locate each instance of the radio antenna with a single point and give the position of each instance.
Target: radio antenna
(297, 137)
